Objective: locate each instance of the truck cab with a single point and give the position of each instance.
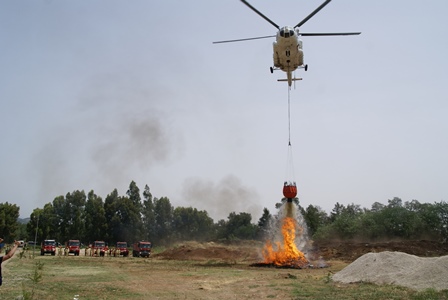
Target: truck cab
(123, 248)
(48, 246)
(99, 248)
(73, 247)
(141, 249)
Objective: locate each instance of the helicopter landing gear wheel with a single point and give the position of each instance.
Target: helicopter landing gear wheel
(272, 70)
(306, 68)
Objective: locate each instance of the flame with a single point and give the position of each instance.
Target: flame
(286, 254)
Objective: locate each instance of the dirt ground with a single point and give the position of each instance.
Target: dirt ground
(193, 270)
(248, 252)
(345, 251)
(336, 256)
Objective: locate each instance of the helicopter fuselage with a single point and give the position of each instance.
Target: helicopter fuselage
(288, 51)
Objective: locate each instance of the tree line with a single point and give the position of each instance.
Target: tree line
(131, 217)
(140, 216)
(410, 220)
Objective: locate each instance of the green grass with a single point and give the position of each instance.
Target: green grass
(123, 278)
(62, 278)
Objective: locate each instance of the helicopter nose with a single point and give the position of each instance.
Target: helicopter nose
(286, 32)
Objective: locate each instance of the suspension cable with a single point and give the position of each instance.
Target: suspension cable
(289, 116)
(289, 161)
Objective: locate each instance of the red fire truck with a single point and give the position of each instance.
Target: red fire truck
(48, 246)
(99, 248)
(123, 247)
(73, 247)
(141, 249)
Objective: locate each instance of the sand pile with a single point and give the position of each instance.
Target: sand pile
(397, 268)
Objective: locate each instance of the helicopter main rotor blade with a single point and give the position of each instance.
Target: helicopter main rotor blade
(260, 14)
(242, 40)
(312, 14)
(329, 33)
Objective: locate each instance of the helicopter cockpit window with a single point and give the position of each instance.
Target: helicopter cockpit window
(286, 32)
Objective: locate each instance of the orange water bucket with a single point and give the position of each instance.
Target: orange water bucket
(289, 190)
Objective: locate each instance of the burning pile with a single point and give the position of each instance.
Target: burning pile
(284, 252)
(286, 255)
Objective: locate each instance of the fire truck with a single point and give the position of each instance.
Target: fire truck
(73, 247)
(123, 247)
(48, 246)
(141, 249)
(99, 248)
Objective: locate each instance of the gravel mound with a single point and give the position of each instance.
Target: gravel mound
(397, 268)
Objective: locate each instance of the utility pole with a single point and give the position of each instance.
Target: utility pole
(35, 236)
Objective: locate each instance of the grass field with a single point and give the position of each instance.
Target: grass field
(54, 277)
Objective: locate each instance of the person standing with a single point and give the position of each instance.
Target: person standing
(7, 256)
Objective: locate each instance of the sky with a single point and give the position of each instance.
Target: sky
(97, 93)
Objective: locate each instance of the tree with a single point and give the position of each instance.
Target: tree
(346, 226)
(124, 218)
(239, 226)
(134, 224)
(442, 212)
(264, 222)
(344, 223)
(371, 225)
(110, 211)
(399, 221)
(60, 218)
(353, 209)
(75, 203)
(148, 216)
(21, 231)
(220, 229)
(413, 205)
(191, 224)
(314, 217)
(46, 222)
(134, 194)
(395, 202)
(430, 219)
(337, 210)
(9, 213)
(377, 207)
(163, 211)
(32, 225)
(95, 218)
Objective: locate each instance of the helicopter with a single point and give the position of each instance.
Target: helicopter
(288, 48)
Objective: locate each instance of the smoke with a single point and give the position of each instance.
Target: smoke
(129, 145)
(51, 166)
(220, 199)
(114, 131)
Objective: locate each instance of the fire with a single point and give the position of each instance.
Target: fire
(286, 254)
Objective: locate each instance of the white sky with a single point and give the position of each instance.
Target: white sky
(94, 94)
